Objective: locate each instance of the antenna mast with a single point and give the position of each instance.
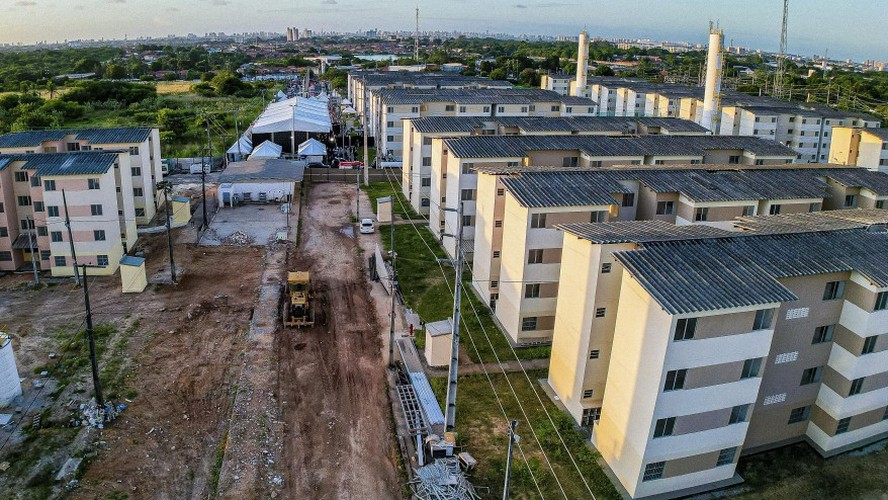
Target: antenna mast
(781, 58)
(416, 38)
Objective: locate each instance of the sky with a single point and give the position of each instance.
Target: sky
(847, 28)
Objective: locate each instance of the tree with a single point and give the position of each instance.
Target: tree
(171, 121)
(227, 83)
(115, 72)
(529, 78)
(604, 70)
(498, 74)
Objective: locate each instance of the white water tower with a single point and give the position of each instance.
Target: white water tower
(10, 385)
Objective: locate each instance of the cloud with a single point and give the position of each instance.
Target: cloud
(25, 3)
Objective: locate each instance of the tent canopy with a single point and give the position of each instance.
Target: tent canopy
(280, 96)
(299, 114)
(312, 147)
(267, 149)
(243, 146)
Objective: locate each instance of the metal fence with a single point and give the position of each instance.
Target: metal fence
(337, 175)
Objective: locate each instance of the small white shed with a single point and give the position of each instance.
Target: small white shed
(438, 342)
(133, 278)
(384, 210)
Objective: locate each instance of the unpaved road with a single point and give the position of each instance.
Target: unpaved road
(338, 441)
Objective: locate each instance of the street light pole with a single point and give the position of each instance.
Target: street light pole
(166, 186)
(97, 384)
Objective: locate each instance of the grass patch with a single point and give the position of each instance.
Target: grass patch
(177, 87)
(427, 293)
(484, 434)
(401, 207)
(217, 465)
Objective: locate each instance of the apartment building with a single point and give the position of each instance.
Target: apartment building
(143, 169)
(863, 147)
(454, 181)
(685, 351)
(557, 82)
(387, 107)
(524, 206)
(36, 187)
(419, 133)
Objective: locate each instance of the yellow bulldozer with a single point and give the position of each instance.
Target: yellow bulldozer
(298, 310)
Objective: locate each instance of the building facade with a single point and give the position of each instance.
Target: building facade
(863, 147)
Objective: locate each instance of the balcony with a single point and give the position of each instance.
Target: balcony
(838, 406)
(704, 399)
(853, 366)
(863, 323)
(695, 443)
(718, 350)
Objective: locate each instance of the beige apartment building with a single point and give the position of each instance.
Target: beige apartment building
(863, 147)
(142, 170)
(685, 350)
(419, 133)
(102, 212)
(454, 181)
(524, 206)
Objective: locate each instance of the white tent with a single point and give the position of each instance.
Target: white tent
(267, 149)
(299, 113)
(280, 96)
(240, 149)
(313, 150)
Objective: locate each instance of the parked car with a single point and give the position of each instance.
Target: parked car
(367, 226)
(317, 164)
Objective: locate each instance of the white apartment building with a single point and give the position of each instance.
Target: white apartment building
(863, 147)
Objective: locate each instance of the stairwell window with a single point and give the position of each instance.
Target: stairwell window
(665, 207)
(664, 427)
(675, 380)
(529, 324)
(834, 290)
(751, 368)
(869, 344)
(739, 414)
(881, 301)
(685, 329)
(799, 414)
(811, 375)
(537, 221)
(823, 334)
(763, 319)
(532, 291)
(856, 386)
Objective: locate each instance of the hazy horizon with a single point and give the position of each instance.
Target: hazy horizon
(812, 25)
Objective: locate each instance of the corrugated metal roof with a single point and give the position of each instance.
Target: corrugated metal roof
(704, 275)
(79, 163)
(640, 231)
(117, 135)
(831, 220)
(128, 260)
(564, 188)
(863, 178)
(737, 185)
(30, 139)
(491, 96)
(263, 169)
(605, 124)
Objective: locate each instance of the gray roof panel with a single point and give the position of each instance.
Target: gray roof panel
(79, 163)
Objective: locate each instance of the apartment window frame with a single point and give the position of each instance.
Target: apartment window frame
(726, 456)
(598, 216)
(56, 237)
(535, 256)
(139, 192)
(99, 235)
(665, 208)
(49, 185)
(60, 261)
(685, 329)
(751, 368)
(834, 290)
(538, 221)
(811, 375)
(701, 214)
(850, 201)
(881, 301)
(628, 200)
(675, 380)
(4, 232)
(869, 344)
(96, 210)
(664, 427)
(774, 209)
(532, 291)
(136, 171)
(93, 184)
(39, 206)
(529, 323)
(800, 414)
(24, 201)
(102, 260)
(764, 318)
(856, 386)
(739, 414)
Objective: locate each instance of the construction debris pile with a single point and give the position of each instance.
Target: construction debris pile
(239, 238)
(443, 479)
(95, 416)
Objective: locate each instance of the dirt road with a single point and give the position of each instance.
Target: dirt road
(338, 439)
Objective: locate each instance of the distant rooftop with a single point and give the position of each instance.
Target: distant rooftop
(119, 135)
(491, 96)
(264, 169)
(831, 220)
(383, 78)
(443, 124)
(640, 231)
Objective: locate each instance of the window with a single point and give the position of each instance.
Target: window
(532, 291)
(35, 181)
(659, 162)
(2, 208)
(587, 393)
(653, 470)
(799, 414)
(56, 236)
(594, 354)
(414, 109)
(869, 344)
(701, 214)
(885, 415)
(450, 107)
(390, 138)
(739, 414)
(628, 199)
(99, 235)
(72, 146)
(102, 260)
(93, 184)
(856, 386)
(498, 223)
(95, 209)
(462, 109)
(535, 256)
(49, 185)
(842, 426)
(38, 206)
(426, 182)
(664, 427)
(496, 254)
(426, 161)
(60, 261)
(500, 192)
(568, 161)
(763, 319)
(138, 192)
(834, 290)
(590, 416)
(751, 368)
(5, 256)
(136, 171)
(850, 201)
(599, 216)
(27, 224)
(24, 201)
(881, 301)
(665, 207)
(733, 160)
(389, 124)
(675, 380)
(468, 220)
(529, 324)
(500, 109)
(685, 328)
(600, 312)
(596, 163)
(556, 108)
(880, 204)
(42, 231)
(486, 109)
(823, 334)
(390, 109)
(21, 176)
(606, 268)
(811, 375)
(569, 109)
(4, 232)
(538, 221)
(45, 254)
(726, 456)
(775, 209)
(467, 195)
(140, 212)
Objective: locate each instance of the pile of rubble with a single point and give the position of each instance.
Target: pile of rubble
(443, 479)
(96, 417)
(238, 238)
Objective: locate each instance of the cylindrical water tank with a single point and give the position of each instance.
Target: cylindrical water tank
(10, 385)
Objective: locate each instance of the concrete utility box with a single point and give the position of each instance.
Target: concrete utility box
(181, 210)
(438, 341)
(384, 210)
(133, 278)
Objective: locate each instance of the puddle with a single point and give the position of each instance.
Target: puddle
(348, 230)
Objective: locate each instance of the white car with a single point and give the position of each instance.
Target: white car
(367, 226)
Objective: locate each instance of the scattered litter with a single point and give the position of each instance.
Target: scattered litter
(44, 373)
(52, 355)
(70, 467)
(149, 432)
(38, 384)
(443, 479)
(96, 417)
(238, 238)
(5, 418)
(4, 466)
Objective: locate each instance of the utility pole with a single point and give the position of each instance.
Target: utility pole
(513, 438)
(97, 384)
(366, 148)
(781, 58)
(70, 238)
(416, 39)
(358, 196)
(203, 190)
(394, 283)
(238, 136)
(450, 412)
(167, 187)
(32, 225)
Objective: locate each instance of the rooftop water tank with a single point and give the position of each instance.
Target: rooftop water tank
(10, 385)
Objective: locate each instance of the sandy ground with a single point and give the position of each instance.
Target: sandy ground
(338, 439)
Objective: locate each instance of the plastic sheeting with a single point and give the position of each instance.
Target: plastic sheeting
(299, 113)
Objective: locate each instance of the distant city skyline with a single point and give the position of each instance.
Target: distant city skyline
(813, 25)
